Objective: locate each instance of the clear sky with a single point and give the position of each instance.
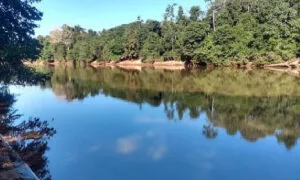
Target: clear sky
(100, 14)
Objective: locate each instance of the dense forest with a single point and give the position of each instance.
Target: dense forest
(226, 32)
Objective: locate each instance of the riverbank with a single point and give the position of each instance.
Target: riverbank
(130, 65)
(12, 166)
(293, 65)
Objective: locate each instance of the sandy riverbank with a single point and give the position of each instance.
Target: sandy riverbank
(167, 65)
(130, 65)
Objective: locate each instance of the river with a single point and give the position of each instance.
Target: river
(150, 124)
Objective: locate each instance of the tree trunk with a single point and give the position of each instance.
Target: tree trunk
(214, 25)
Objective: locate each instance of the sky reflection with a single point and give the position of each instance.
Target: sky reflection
(122, 133)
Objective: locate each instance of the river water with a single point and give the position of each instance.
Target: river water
(151, 124)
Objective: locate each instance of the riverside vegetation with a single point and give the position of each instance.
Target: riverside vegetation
(260, 105)
(228, 32)
(28, 139)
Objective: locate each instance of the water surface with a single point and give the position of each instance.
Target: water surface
(157, 124)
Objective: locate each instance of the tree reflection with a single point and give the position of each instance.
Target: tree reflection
(28, 139)
(289, 140)
(209, 131)
(250, 103)
(20, 75)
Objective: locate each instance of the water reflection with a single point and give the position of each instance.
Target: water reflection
(256, 103)
(28, 139)
(130, 144)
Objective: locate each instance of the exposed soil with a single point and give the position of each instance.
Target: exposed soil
(127, 64)
(168, 65)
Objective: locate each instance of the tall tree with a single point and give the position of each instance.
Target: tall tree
(47, 52)
(152, 47)
(169, 12)
(193, 37)
(195, 13)
(132, 44)
(18, 20)
(181, 18)
(169, 31)
(63, 35)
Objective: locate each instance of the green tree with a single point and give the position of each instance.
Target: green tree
(132, 44)
(181, 17)
(18, 20)
(152, 47)
(47, 51)
(169, 12)
(193, 37)
(60, 52)
(195, 13)
(153, 26)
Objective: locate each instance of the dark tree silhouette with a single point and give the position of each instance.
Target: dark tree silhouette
(18, 20)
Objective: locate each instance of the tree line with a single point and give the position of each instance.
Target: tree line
(228, 32)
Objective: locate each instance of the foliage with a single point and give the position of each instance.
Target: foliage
(193, 36)
(230, 32)
(17, 25)
(195, 13)
(152, 48)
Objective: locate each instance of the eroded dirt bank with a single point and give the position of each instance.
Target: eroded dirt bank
(130, 65)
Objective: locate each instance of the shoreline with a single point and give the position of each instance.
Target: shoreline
(292, 65)
(130, 65)
(13, 167)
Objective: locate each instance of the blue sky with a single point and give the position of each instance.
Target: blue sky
(100, 14)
